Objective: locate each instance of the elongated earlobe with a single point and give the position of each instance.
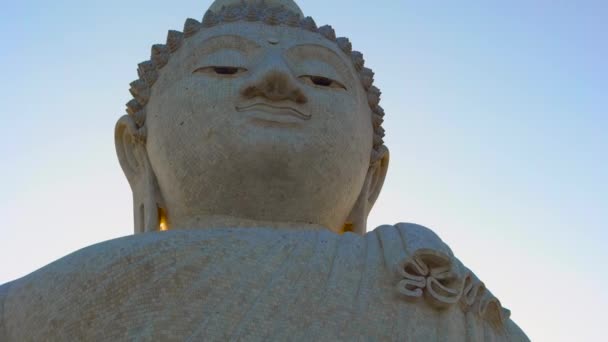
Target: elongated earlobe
(379, 175)
(357, 219)
(149, 211)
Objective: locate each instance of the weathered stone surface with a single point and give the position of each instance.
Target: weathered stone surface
(256, 138)
(248, 284)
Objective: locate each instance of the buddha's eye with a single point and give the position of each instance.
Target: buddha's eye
(220, 70)
(322, 82)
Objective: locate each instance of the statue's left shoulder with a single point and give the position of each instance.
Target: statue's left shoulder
(428, 271)
(424, 263)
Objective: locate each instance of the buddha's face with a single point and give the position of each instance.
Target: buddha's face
(259, 122)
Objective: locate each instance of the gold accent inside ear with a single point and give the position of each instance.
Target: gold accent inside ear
(348, 227)
(162, 220)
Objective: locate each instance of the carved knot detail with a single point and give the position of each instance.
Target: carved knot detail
(433, 275)
(429, 273)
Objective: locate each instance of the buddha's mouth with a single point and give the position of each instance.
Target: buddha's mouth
(274, 110)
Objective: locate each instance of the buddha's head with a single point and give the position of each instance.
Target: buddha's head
(254, 114)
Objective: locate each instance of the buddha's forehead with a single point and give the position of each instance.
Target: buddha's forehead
(251, 37)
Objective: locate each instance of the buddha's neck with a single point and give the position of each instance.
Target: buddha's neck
(220, 221)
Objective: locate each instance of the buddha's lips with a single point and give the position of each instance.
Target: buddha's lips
(266, 108)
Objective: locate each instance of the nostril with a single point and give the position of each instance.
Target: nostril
(250, 92)
(298, 97)
(269, 89)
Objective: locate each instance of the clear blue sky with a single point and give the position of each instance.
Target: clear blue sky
(497, 120)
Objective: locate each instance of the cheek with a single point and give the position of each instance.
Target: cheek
(183, 112)
(181, 121)
(345, 125)
(343, 139)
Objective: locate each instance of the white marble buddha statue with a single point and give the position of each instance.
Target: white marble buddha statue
(254, 150)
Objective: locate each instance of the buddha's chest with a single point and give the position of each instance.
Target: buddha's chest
(303, 286)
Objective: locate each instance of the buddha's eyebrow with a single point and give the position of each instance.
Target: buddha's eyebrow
(311, 51)
(235, 42)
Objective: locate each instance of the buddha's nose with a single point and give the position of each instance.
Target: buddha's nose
(274, 81)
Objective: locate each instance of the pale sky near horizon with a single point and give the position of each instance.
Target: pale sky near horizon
(496, 118)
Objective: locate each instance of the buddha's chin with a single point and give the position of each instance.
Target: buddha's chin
(265, 201)
(279, 176)
(267, 190)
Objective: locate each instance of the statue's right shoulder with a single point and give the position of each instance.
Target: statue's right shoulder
(3, 294)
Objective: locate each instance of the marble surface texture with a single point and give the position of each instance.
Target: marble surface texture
(250, 284)
(254, 149)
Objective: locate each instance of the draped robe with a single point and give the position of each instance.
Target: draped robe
(396, 283)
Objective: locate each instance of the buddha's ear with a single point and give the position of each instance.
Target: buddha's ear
(133, 158)
(377, 173)
(130, 149)
(357, 219)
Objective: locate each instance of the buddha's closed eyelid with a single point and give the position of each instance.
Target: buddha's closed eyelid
(220, 70)
(321, 82)
(222, 62)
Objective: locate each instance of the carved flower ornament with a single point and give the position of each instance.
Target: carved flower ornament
(437, 278)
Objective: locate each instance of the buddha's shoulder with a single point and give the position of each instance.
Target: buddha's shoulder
(413, 238)
(3, 294)
(111, 263)
(148, 274)
(133, 259)
(429, 272)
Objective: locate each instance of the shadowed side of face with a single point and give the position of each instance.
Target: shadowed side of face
(259, 122)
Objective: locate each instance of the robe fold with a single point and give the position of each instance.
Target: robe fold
(396, 283)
